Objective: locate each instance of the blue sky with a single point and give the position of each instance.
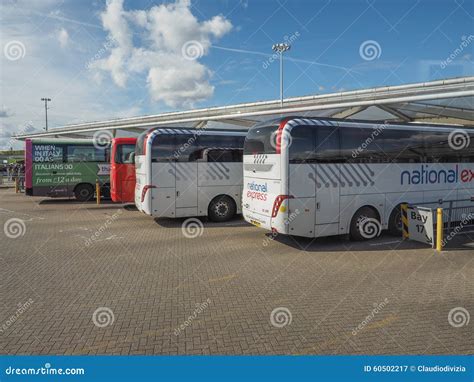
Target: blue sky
(100, 60)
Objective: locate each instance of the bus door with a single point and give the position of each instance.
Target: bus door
(327, 180)
(186, 172)
(186, 188)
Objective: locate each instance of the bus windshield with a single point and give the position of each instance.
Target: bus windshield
(125, 154)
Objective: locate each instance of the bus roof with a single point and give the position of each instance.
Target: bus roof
(78, 141)
(362, 123)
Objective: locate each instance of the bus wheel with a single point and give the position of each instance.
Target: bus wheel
(395, 222)
(365, 225)
(84, 192)
(221, 208)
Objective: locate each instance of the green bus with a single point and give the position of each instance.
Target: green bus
(66, 168)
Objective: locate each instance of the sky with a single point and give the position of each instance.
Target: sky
(118, 58)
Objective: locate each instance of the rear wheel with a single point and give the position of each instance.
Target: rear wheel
(84, 192)
(222, 208)
(365, 225)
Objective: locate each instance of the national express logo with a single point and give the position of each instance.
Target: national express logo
(257, 191)
(427, 175)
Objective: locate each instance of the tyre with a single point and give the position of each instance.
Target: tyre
(84, 192)
(222, 208)
(395, 222)
(365, 225)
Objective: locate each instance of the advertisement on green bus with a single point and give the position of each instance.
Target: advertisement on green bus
(66, 168)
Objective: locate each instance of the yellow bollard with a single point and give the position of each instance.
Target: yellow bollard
(17, 186)
(439, 229)
(97, 191)
(404, 208)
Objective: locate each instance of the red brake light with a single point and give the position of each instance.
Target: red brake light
(145, 189)
(277, 203)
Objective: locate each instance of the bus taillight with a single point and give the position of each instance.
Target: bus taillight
(277, 203)
(145, 189)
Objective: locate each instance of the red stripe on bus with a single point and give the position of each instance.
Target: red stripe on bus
(279, 133)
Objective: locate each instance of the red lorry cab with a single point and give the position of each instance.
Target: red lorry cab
(122, 170)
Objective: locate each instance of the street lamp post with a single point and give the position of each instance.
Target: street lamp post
(46, 100)
(280, 49)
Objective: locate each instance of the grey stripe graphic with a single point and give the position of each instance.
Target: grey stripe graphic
(329, 175)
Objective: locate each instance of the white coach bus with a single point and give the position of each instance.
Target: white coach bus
(322, 177)
(185, 172)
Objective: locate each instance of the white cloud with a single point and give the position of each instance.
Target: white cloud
(63, 37)
(173, 77)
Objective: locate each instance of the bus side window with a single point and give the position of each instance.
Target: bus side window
(164, 148)
(327, 145)
(402, 146)
(302, 144)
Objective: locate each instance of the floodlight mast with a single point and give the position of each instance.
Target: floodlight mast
(280, 49)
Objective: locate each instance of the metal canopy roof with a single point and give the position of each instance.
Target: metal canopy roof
(449, 101)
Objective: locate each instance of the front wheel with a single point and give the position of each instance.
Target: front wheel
(365, 225)
(222, 208)
(84, 192)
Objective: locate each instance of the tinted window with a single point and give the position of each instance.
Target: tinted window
(221, 141)
(327, 144)
(163, 148)
(261, 140)
(86, 153)
(302, 144)
(187, 148)
(361, 145)
(219, 155)
(47, 153)
(125, 154)
(403, 146)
